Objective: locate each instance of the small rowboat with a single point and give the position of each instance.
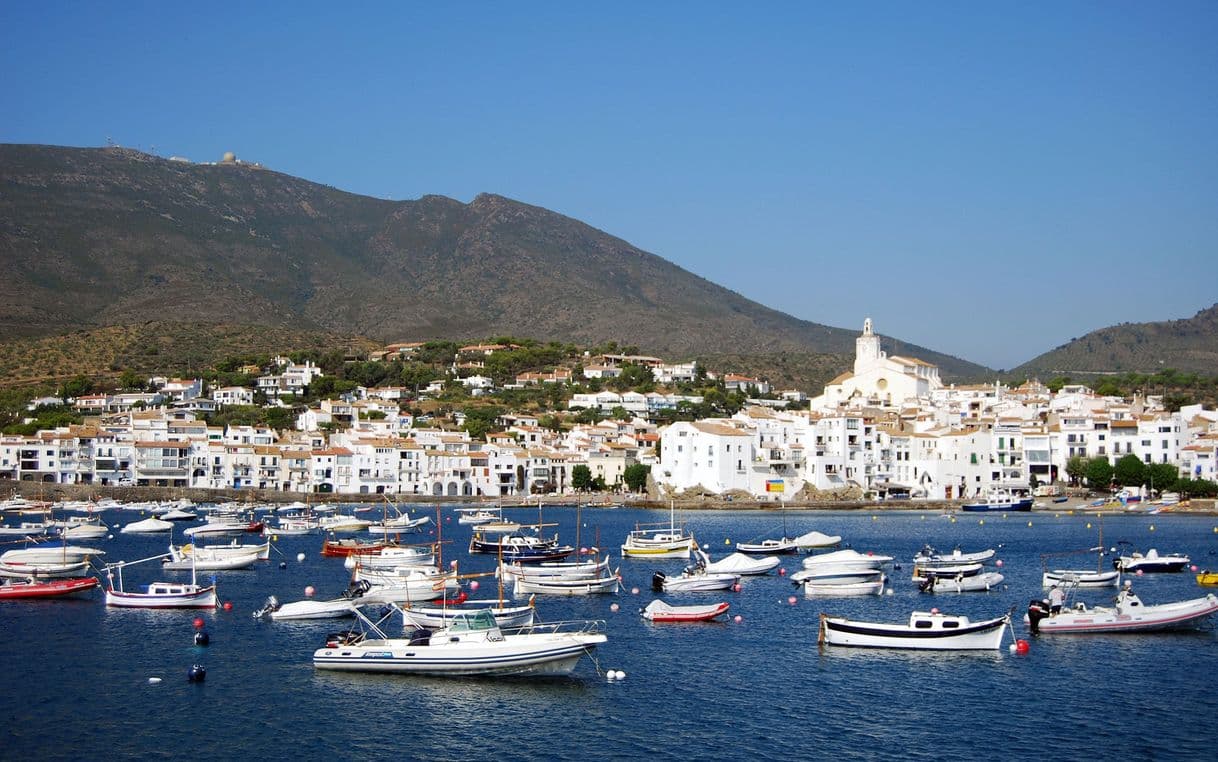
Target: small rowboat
(1207, 578)
(46, 589)
(659, 611)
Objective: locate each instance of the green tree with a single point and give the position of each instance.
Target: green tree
(1162, 477)
(1130, 471)
(1098, 473)
(1076, 469)
(581, 478)
(635, 476)
(76, 387)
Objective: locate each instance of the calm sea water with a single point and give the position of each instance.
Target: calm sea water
(76, 675)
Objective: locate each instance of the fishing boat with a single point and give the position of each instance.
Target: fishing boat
(158, 595)
(188, 559)
(739, 563)
(343, 523)
(927, 630)
(521, 547)
(55, 588)
(479, 516)
(1207, 578)
(216, 528)
(347, 546)
(1150, 562)
(472, 645)
(558, 569)
(606, 583)
(769, 547)
(433, 616)
(1129, 614)
(659, 611)
(393, 556)
(658, 540)
(998, 499)
(25, 529)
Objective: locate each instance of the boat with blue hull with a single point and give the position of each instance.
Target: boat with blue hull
(999, 500)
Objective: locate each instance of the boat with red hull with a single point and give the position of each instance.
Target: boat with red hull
(51, 588)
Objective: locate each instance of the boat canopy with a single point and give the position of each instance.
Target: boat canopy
(472, 621)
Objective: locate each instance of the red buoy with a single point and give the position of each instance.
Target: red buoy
(1021, 646)
(228, 605)
(198, 623)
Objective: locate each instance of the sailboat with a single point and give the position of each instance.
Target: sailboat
(658, 541)
(771, 546)
(1069, 578)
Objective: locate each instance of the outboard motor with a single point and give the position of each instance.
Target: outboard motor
(927, 585)
(272, 604)
(1037, 610)
(357, 588)
(657, 581)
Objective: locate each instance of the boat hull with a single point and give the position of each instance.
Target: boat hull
(659, 611)
(970, 636)
(435, 617)
(204, 598)
(50, 589)
(1080, 578)
(506, 658)
(1168, 616)
(814, 589)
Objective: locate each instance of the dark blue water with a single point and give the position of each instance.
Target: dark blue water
(75, 675)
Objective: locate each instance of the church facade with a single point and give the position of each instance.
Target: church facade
(877, 379)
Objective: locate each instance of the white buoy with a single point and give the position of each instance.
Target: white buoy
(154, 680)
(308, 591)
(888, 591)
(621, 675)
(1011, 648)
(300, 557)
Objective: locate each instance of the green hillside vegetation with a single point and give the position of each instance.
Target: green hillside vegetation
(1189, 345)
(114, 237)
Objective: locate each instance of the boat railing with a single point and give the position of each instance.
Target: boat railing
(567, 626)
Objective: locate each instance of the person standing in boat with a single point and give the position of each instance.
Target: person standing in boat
(1057, 597)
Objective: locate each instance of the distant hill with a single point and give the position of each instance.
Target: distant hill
(94, 237)
(1186, 345)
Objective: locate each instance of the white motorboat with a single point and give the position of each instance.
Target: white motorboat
(393, 556)
(402, 525)
(1068, 578)
(945, 572)
(481, 516)
(661, 611)
(43, 569)
(261, 550)
(50, 553)
(812, 540)
(739, 563)
(219, 528)
(343, 523)
(148, 526)
(472, 645)
(179, 561)
(814, 589)
(976, 583)
(178, 514)
(928, 557)
(25, 529)
(306, 609)
(1128, 615)
(1151, 561)
(930, 631)
(556, 569)
(294, 525)
(833, 574)
(693, 579)
(86, 530)
(846, 558)
(407, 584)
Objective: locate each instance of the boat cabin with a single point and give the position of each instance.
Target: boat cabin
(926, 620)
(469, 627)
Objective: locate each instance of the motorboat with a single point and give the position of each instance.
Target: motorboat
(186, 561)
(480, 516)
(816, 589)
(85, 530)
(294, 526)
(178, 514)
(1129, 614)
(401, 524)
(216, 528)
(406, 584)
(659, 611)
(343, 523)
(54, 588)
(306, 609)
(148, 526)
(158, 595)
(555, 569)
(1068, 578)
(768, 547)
(836, 575)
(1149, 562)
(347, 546)
(471, 645)
(813, 540)
(928, 556)
(211, 552)
(744, 565)
(25, 529)
(927, 630)
(999, 500)
(847, 558)
(393, 556)
(39, 569)
(1207, 578)
(976, 583)
(946, 572)
(694, 578)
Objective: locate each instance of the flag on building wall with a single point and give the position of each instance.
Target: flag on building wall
(774, 485)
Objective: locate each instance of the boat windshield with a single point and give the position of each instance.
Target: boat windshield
(469, 621)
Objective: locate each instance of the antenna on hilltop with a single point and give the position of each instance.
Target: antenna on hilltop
(109, 142)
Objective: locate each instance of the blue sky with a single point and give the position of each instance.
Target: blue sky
(987, 179)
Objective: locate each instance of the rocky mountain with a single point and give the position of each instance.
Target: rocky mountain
(1189, 345)
(93, 237)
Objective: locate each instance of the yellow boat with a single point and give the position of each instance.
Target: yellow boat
(1208, 578)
